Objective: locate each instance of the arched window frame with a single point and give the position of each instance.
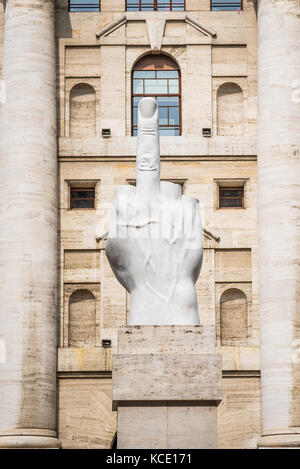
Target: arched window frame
(89, 295)
(69, 289)
(242, 90)
(75, 86)
(224, 292)
(136, 95)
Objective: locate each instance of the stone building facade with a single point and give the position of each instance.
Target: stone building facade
(67, 140)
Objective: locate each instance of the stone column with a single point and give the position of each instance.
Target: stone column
(28, 234)
(279, 196)
(167, 387)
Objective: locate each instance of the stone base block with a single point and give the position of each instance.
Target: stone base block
(167, 425)
(285, 440)
(28, 439)
(166, 387)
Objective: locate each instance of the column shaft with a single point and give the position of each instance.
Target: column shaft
(28, 219)
(278, 202)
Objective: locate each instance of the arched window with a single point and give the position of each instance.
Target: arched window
(158, 76)
(230, 109)
(233, 311)
(82, 111)
(82, 319)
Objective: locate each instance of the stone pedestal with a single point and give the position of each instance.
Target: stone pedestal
(167, 387)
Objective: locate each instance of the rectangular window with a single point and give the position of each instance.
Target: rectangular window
(84, 5)
(226, 5)
(82, 198)
(155, 5)
(231, 197)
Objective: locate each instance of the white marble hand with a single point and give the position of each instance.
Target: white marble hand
(154, 244)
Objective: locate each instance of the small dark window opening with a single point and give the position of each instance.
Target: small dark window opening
(155, 5)
(83, 5)
(226, 5)
(231, 197)
(82, 198)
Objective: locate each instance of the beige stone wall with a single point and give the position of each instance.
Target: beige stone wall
(85, 416)
(200, 164)
(239, 413)
(1, 32)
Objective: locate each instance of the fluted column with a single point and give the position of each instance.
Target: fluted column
(28, 234)
(279, 240)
